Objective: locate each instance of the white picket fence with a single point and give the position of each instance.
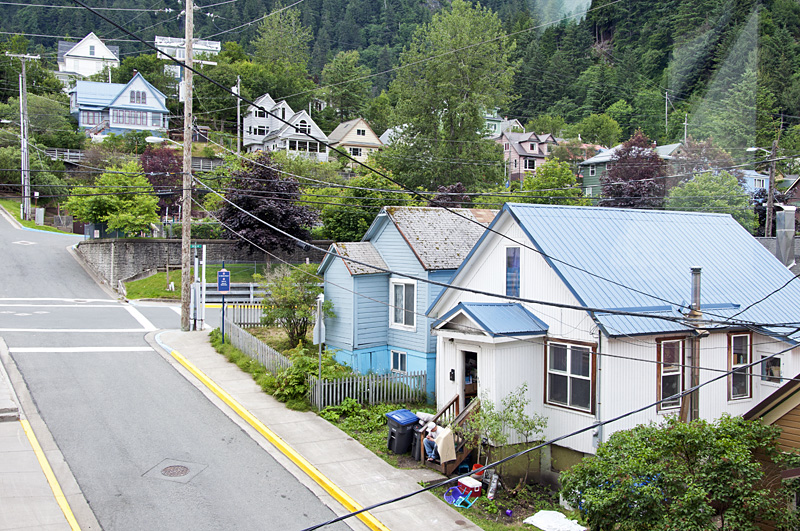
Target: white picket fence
(267, 356)
(366, 389)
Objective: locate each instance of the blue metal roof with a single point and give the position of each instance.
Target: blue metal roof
(626, 258)
(97, 94)
(501, 319)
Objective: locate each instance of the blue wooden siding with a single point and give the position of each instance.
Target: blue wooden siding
(379, 361)
(339, 290)
(372, 310)
(444, 276)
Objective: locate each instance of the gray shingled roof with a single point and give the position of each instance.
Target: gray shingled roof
(363, 252)
(440, 238)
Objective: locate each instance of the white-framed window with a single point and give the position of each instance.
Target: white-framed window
(592, 170)
(155, 120)
(609, 166)
(361, 132)
(588, 191)
(739, 356)
(399, 361)
(261, 114)
(670, 371)
(355, 151)
(771, 369)
(570, 371)
(91, 50)
(534, 146)
(759, 183)
(530, 164)
(261, 130)
(133, 96)
(403, 304)
(303, 127)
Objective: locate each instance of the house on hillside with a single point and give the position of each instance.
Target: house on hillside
(524, 152)
(379, 291)
(279, 128)
(119, 107)
(590, 307)
(355, 137)
(176, 47)
(496, 125)
(85, 58)
(591, 170)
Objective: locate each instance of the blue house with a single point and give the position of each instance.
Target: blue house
(119, 107)
(380, 322)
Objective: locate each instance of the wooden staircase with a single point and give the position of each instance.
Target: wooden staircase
(450, 416)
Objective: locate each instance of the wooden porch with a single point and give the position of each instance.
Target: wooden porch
(450, 416)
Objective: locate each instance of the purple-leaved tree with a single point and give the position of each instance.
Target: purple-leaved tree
(636, 176)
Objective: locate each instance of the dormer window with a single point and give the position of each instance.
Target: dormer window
(534, 146)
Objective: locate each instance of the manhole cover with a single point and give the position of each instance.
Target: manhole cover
(460, 522)
(175, 471)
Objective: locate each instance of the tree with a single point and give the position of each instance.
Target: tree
(552, 183)
(636, 176)
(546, 123)
(49, 120)
(675, 476)
(697, 156)
(290, 300)
(442, 98)
(599, 129)
(713, 192)
(163, 167)
(453, 196)
(259, 189)
(346, 86)
(282, 37)
(121, 197)
(351, 214)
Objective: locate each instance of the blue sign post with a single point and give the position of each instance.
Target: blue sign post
(223, 288)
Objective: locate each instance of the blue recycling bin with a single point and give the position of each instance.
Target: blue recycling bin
(401, 430)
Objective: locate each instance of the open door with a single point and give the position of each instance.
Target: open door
(470, 376)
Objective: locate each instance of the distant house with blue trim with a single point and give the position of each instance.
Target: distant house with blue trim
(592, 309)
(119, 107)
(592, 169)
(379, 291)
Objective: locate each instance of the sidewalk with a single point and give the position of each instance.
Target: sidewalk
(359, 473)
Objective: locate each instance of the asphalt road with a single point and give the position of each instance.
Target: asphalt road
(148, 450)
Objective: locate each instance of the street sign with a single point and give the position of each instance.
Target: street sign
(223, 281)
(196, 246)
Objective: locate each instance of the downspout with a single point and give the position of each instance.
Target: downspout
(597, 432)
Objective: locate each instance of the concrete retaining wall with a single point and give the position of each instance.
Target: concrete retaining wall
(116, 259)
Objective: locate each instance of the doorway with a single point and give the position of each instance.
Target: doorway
(470, 375)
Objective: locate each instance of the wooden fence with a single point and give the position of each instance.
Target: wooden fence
(392, 388)
(267, 356)
(244, 314)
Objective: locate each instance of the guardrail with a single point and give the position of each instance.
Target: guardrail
(240, 292)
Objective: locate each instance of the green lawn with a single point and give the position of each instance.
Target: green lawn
(155, 287)
(12, 207)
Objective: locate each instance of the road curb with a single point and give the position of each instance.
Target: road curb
(310, 470)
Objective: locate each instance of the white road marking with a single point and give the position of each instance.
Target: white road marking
(24, 242)
(141, 319)
(31, 299)
(80, 349)
(76, 330)
(176, 309)
(59, 306)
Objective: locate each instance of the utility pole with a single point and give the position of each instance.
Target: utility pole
(690, 405)
(186, 208)
(666, 112)
(238, 92)
(23, 125)
(771, 191)
(685, 128)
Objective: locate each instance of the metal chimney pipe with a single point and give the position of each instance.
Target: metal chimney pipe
(696, 312)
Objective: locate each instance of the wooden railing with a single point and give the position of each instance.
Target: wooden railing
(451, 415)
(367, 389)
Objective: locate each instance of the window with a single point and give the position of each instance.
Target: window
(399, 361)
(91, 50)
(403, 304)
(133, 96)
(293, 145)
(512, 271)
(534, 146)
(530, 164)
(670, 372)
(302, 145)
(739, 357)
(361, 132)
(355, 151)
(569, 376)
(506, 147)
(592, 170)
(313, 147)
(261, 114)
(303, 127)
(771, 369)
(261, 130)
(759, 183)
(144, 98)
(156, 120)
(588, 191)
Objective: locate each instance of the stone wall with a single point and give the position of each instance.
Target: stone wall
(117, 259)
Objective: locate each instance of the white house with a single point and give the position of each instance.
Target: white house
(355, 137)
(119, 107)
(176, 47)
(279, 128)
(86, 58)
(590, 308)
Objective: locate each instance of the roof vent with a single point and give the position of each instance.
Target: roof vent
(695, 312)
(784, 235)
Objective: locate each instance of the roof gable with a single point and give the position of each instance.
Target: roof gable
(440, 238)
(155, 100)
(82, 49)
(344, 134)
(362, 255)
(497, 319)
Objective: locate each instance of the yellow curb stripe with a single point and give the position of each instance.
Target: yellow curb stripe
(51, 478)
(338, 494)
